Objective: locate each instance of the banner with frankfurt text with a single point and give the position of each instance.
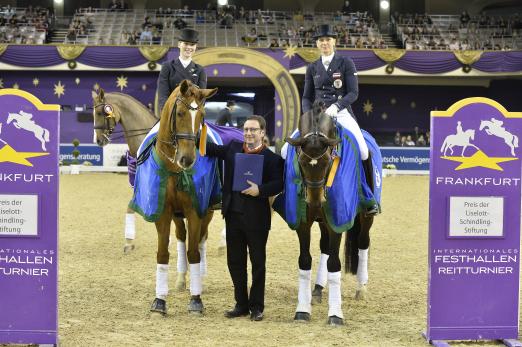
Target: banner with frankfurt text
(29, 140)
(474, 222)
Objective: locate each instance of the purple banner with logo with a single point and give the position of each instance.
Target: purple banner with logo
(29, 137)
(474, 230)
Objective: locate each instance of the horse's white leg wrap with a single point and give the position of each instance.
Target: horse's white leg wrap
(304, 296)
(322, 270)
(223, 242)
(162, 281)
(362, 267)
(334, 295)
(130, 226)
(182, 257)
(203, 257)
(195, 279)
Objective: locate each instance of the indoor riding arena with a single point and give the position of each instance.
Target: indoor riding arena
(386, 130)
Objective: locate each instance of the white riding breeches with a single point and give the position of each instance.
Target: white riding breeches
(348, 122)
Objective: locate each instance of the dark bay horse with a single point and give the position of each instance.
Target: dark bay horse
(314, 149)
(110, 109)
(175, 146)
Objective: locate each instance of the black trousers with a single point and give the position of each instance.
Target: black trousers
(240, 236)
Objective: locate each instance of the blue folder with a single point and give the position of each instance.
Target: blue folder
(247, 167)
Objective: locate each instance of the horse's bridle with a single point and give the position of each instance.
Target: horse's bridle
(179, 136)
(320, 183)
(182, 136)
(109, 120)
(110, 124)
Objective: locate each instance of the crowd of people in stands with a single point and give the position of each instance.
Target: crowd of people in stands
(359, 31)
(482, 32)
(355, 30)
(27, 26)
(415, 139)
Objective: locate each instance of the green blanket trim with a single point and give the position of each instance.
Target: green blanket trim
(164, 174)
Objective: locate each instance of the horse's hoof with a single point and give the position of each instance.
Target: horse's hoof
(128, 248)
(317, 295)
(159, 306)
(335, 321)
(361, 293)
(195, 306)
(302, 317)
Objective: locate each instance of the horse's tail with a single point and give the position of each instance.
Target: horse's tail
(515, 141)
(46, 135)
(351, 248)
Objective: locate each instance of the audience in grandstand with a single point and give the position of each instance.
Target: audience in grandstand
(24, 26)
(462, 32)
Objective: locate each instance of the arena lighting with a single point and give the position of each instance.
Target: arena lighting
(244, 95)
(222, 2)
(58, 1)
(385, 4)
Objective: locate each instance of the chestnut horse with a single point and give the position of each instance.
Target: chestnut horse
(180, 122)
(314, 151)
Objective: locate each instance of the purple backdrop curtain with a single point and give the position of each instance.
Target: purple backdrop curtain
(364, 59)
(112, 57)
(426, 62)
(31, 56)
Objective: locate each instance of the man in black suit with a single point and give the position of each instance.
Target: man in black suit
(181, 68)
(225, 115)
(248, 217)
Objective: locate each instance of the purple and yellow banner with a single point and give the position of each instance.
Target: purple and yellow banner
(29, 137)
(474, 229)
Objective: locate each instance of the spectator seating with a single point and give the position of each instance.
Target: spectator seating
(458, 32)
(24, 25)
(246, 28)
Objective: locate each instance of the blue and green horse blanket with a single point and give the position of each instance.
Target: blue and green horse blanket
(201, 182)
(349, 193)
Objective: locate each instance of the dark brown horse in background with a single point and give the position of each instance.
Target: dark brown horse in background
(314, 149)
(180, 123)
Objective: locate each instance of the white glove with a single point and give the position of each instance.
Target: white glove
(332, 110)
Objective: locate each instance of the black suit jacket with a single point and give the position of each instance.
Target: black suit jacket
(256, 209)
(172, 73)
(320, 84)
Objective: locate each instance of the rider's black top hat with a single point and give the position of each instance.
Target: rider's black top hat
(188, 35)
(324, 31)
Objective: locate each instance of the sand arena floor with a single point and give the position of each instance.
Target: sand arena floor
(104, 295)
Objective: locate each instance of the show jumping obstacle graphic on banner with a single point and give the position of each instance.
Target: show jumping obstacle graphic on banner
(474, 229)
(29, 135)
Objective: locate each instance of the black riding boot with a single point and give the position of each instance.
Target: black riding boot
(368, 172)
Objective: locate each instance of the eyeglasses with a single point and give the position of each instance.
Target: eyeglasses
(251, 130)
